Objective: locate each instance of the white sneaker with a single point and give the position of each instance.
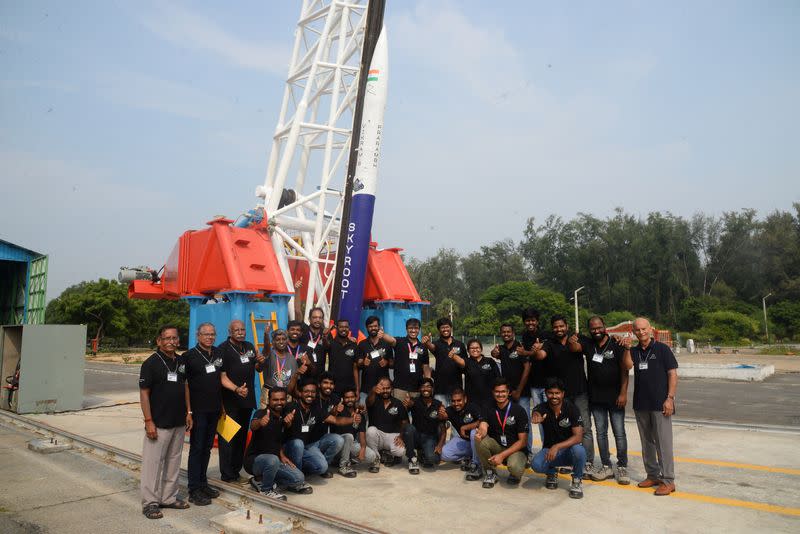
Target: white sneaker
(603, 473)
(622, 476)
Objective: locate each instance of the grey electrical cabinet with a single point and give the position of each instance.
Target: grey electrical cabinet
(45, 362)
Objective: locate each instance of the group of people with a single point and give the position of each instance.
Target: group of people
(329, 403)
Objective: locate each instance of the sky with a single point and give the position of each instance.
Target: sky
(124, 124)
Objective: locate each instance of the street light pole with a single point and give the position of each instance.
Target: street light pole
(575, 298)
(766, 325)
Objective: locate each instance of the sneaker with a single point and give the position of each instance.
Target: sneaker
(273, 494)
(303, 489)
(576, 488)
(387, 459)
(603, 473)
(622, 476)
(199, 498)
(588, 471)
(466, 464)
(413, 466)
(513, 481)
(490, 479)
(255, 484)
(346, 471)
(326, 474)
(210, 492)
(551, 482)
(474, 472)
(376, 465)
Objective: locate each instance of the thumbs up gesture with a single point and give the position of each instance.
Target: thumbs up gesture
(289, 417)
(408, 401)
(538, 418)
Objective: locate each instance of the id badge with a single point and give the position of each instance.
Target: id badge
(210, 369)
(279, 383)
(304, 429)
(643, 366)
(244, 359)
(597, 358)
(412, 367)
(172, 377)
(375, 354)
(503, 441)
(412, 356)
(311, 345)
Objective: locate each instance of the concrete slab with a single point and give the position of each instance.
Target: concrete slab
(48, 446)
(727, 371)
(237, 522)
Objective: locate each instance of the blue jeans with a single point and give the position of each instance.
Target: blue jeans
(201, 440)
(525, 404)
(271, 470)
(538, 397)
(414, 440)
(314, 458)
(582, 403)
(575, 456)
(601, 414)
(459, 448)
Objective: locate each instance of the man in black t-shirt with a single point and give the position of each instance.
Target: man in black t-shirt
(563, 433)
(302, 354)
(375, 356)
(532, 339)
(162, 395)
(203, 369)
(464, 419)
(502, 437)
(354, 450)
(447, 375)
(515, 368)
(411, 361)
(340, 352)
(426, 432)
(240, 362)
(387, 419)
(655, 380)
(265, 458)
(312, 338)
(608, 394)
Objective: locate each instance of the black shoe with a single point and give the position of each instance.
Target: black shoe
(513, 481)
(474, 472)
(255, 484)
(387, 459)
(465, 464)
(210, 492)
(303, 489)
(199, 498)
(551, 482)
(327, 474)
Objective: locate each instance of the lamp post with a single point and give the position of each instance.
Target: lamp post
(766, 325)
(575, 298)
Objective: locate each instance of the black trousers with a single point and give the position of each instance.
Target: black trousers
(231, 455)
(201, 440)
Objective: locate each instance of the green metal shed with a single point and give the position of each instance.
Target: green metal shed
(23, 285)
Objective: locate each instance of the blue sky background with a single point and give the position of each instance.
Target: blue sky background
(122, 124)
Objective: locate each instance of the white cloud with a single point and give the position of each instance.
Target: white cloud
(188, 29)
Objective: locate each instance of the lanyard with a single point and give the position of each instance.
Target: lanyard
(199, 350)
(646, 356)
(280, 364)
(411, 349)
(311, 337)
(165, 363)
(597, 348)
(300, 411)
(240, 353)
(503, 422)
(296, 354)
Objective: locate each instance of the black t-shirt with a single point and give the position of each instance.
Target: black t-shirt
(350, 428)
(651, 385)
(389, 418)
(203, 370)
(266, 440)
(312, 370)
(566, 365)
(480, 377)
(307, 426)
(426, 418)
(512, 365)
(538, 375)
(516, 423)
(341, 361)
(317, 348)
(327, 405)
(603, 366)
(448, 374)
(559, 429)
(409, 358)
(239, 363)
(166, 379)
(372, 373)
(471, 413)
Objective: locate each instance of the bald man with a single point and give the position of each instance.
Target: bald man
(240, 362)
(655, 374)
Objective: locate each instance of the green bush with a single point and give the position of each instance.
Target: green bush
(727, 327)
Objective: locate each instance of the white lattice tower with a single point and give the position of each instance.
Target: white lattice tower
(311, 143)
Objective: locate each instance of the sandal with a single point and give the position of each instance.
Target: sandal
(152, 512)
(177, 505)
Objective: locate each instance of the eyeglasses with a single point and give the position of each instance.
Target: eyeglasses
(208, 334)
(171, 338)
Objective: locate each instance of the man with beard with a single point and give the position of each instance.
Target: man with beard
(203, 369)
(387, 419)
(265, 458)
(464, 418)
(163, 394)
(515, 368)
(309, 446)
(480, 374)
(563, 433)
(655, 380)
(447, 374)
(375, 355)
(240, 362)
(532, 340)
(502, 437)
(302, 354)
(354, 450)
(411, 361)
(328, 400)
(313, 340)
(340, 352)
(564, 357)
(426, 432)
(608, 394)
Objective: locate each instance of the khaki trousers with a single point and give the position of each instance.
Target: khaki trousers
(161, 463)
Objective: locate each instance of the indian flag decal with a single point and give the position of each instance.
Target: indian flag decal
(373, 75)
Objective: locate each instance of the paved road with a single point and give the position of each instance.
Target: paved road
(775, 401)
